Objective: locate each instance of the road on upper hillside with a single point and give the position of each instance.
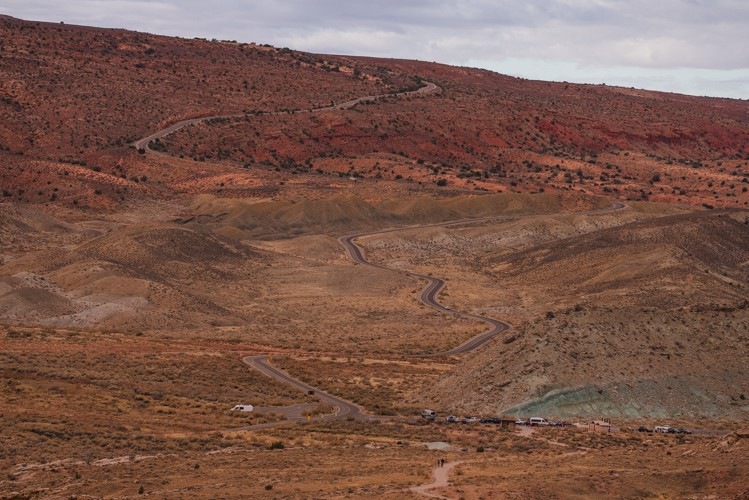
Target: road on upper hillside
(145, 143)
(429, 294)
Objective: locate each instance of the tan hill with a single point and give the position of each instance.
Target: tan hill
(153, 274)
(341, 214)
(133, 277)
(645, 320)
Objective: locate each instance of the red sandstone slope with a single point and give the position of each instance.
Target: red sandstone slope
(73, 98)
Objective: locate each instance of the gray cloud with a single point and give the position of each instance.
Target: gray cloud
(591, 34)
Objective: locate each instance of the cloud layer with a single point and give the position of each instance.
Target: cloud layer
(695, 46)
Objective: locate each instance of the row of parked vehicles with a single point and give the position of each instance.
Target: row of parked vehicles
(432, 415)
(665, 429)
(542, 422)
(472, 420)
(533, 421)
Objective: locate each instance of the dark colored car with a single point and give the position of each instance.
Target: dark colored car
(491, 420)
(642, 428)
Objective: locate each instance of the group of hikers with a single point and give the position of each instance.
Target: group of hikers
(440, 462)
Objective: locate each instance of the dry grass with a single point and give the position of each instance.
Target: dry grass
(68, 394)
(383, 388)
(600, 466)
(103, 412)
(362, 460)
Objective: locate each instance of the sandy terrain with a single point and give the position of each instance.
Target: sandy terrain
(134, 282)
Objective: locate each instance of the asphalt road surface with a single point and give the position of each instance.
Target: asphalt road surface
(428, 296)
(342, 409)
(145, 143)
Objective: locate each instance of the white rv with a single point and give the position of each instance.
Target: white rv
(243, 408)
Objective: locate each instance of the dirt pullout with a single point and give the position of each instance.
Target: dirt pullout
(645, 320)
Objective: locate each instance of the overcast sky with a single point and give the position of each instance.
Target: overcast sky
(690, 46)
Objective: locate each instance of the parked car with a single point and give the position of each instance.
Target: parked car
(521, 421)
(470, 420)
(452, 419)
(491, 420)
(662, 428)
(682, 430)
(537, 421)
(642, 428)
(429, 414)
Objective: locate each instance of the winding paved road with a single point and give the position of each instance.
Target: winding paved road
(346, 409)
(428, 296)
(145, 143)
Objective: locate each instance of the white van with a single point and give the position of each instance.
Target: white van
(538, 421)
(429, 414)
(243, 408)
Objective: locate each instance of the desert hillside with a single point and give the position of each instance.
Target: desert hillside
(75, 99)
(159, 274)
(232, 270)
(630, 321)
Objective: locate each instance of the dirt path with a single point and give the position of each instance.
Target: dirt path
(440, 476)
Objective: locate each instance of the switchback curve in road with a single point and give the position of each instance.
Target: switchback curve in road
(430, 293)
(428, 296)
